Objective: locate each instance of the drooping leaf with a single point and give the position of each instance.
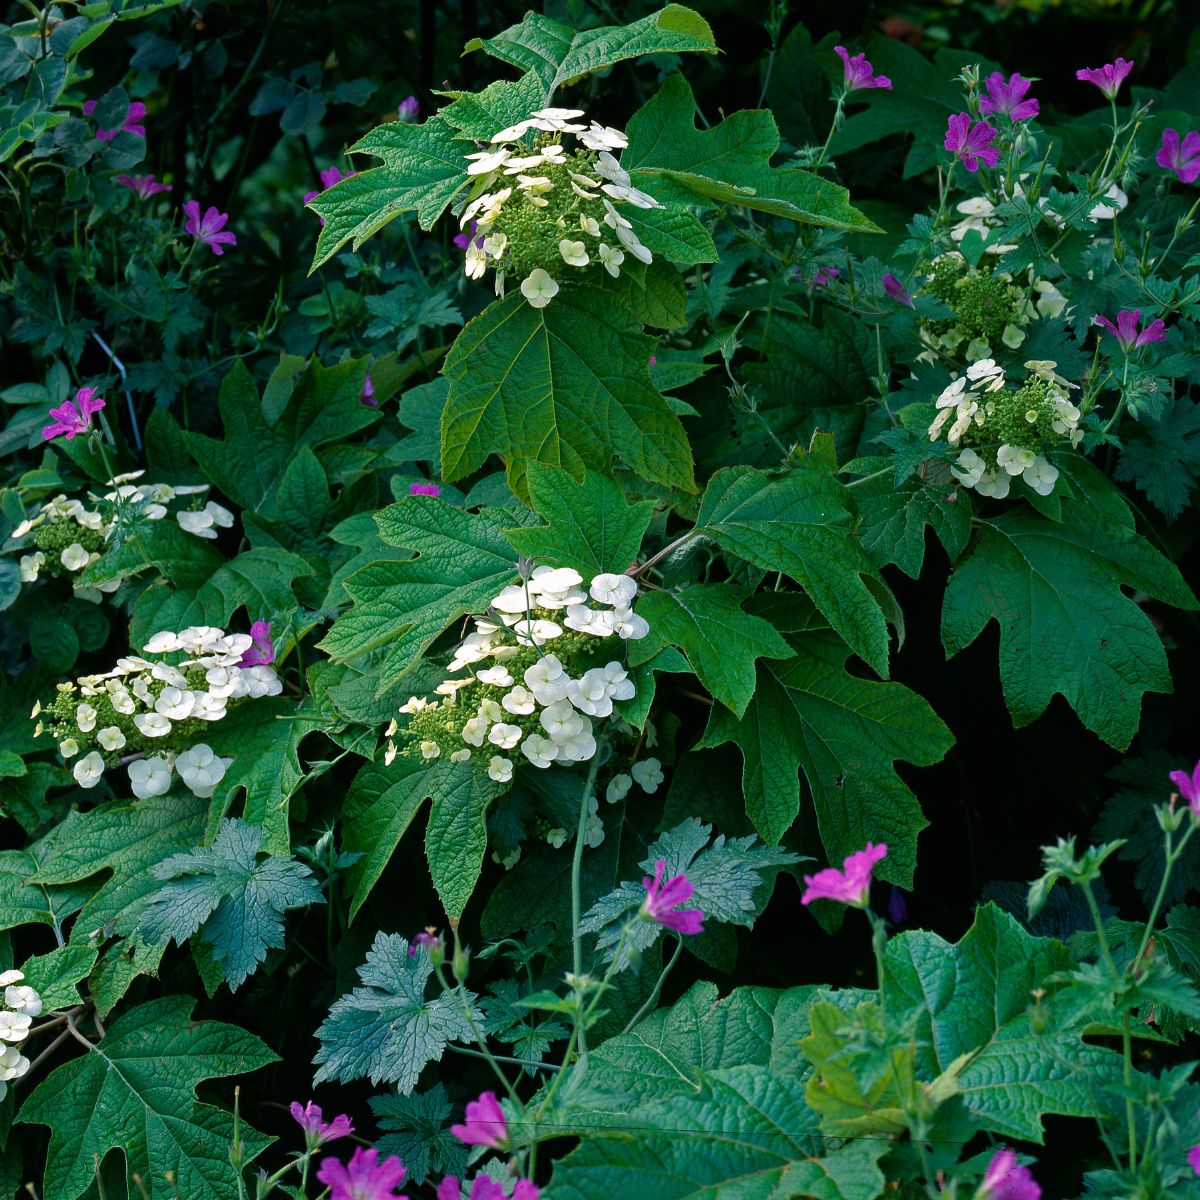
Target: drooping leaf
(235, 901)
(722, 641)
(845, 734)
(387, 1029)
(802, 524)
(463, 560)
(135, 1092)
(567, 386)
(1066, 627)
(589, 525)
(677, 163)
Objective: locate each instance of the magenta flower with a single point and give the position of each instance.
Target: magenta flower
(1107, 78)
(137, 110)
(1006, 1179)
(316, 1131)
(1126, 329)
(858, 73)
(464, 239)
(895, 289)
(1008, 98)
(424, 489)
(1183, 159)
(262, 649)
(970, 143)
(1193, 1157)
(824, 277)
(485, 1124)
(1188, 787)
(364, 1177)
(209, 229)
(329, 177)
(429, 938)
(663, 900)
(409, 110)
(367, 395)
(483, 1187)
(72, 417)
(143, 186)
(851, 885)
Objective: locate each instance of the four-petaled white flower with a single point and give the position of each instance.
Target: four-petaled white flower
(88, 769)
(538, 288)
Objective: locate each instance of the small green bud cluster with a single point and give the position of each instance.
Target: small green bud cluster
(989, 309)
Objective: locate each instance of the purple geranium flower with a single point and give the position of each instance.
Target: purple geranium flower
(1193, 1157)
(483, 1187)
(1107, 78)
(858, 72)
(663, 900)
(1182, 158)
(1006, 1179)
(971, 142)
(485, 1124)
(364, 1177)
(824, 277)
(851, 885)
(74, 416)
(316, 1131)
(409, 110)
(367, 395)
(329, 177)
(1008, 98)
(895, 289)
(1188, 787)
(143, 186)
(424, 489)
(464, 239)
(137, 110)
(210, 228)
(428, 937)
(1126, 329)
(262, 649)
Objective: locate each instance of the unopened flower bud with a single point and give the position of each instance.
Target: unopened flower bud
(460, 963)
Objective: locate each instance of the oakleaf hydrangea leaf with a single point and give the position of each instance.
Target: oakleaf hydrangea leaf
(387, 1029)
(846, 734)
(235, 900)
(1066, 626)
(724, 876)
(135, 1092)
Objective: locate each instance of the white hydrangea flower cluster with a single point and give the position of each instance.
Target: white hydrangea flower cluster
(21, 1005)
(541, 208)
(519, 697)
(150, 714)
(1003, 433)
(68, 536)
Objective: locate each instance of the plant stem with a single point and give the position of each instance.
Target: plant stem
(576, 872)
(652, 999)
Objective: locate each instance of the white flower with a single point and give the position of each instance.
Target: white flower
(430, 750)
(520, 701)
(1014, 459)
(536, 633)
(545, 580)
(200, 639)
(512, 600)
(484, 162)
(494, 244)
(968, 469)
(162, 643)
(1050, 301)
(617, 590)
(10, 977)
(512, 132)
(620, 686)
(505, 736)
(88, 769)
(628, 625)
(558, 114)
(612, 218)
(540, 751)
(475, 730)
(451, 687)
(497, 676)
(110, 738)
(152, 725)
(176, 703)
(14, 1027)
(561, 721)
(462, 755)
(618, 788)
(538, 288)
(149, 777)
(500, 769)
(121, 700)
(476, 261)
(23, 1000)
(546, 679)
(1105, 212)
(986, 373)
(603, 137)
(166, 673)
(414, 704)
(994, 483)
(556, 837)
(630, 241)
(574, 254)
(260, 681)
(74, 557)
(589, 225)
(201, 769)
(223, 681)
(1041, 476)
(68, 747)
(208, 707)
(29, 566)
(647, 774)
(491, 710)
(579, 748)
(611, 259)
(85, 718)
(590, 694)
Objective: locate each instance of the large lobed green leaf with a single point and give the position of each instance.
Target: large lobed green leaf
(567, 386)
(135, 1092)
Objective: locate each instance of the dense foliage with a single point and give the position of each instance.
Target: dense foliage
(501, 553)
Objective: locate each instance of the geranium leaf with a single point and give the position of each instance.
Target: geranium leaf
(135, 1091)
(566, 385)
